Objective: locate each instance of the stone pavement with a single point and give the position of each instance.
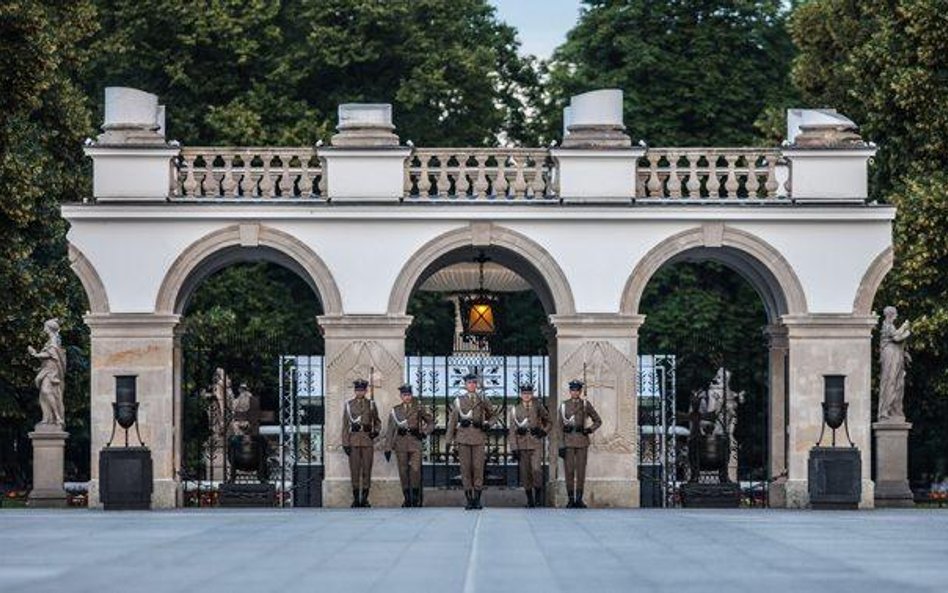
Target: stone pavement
(495, 550)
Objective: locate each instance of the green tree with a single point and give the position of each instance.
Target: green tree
(885, 65)
(272, 72)
(694, 72)
(43, 120)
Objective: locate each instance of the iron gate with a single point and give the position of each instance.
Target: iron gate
(217, 370)
(668, 384)
(438, 379)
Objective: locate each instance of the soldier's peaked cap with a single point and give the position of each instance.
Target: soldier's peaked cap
(360, 384)
(575, 384)
(525, 387)
(470, 377)
(406, 388)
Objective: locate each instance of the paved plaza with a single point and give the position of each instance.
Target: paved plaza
(494, 550)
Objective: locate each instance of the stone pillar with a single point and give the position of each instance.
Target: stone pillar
(131, 160)
(141, 344)
(892, 487)
(366, 142)
(596, 162)
(355, 345)
(828, 159)
(49, 440)
(827, 344)
(607, 344)
(778, 345)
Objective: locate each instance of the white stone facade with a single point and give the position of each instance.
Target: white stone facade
(363, 245)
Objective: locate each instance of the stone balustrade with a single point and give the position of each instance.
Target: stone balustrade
(711, 174)
(239, 173)
(498, 173)
(279, 173)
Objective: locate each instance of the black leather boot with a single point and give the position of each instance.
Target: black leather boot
(407, 494)
(531, 501)
(416, 497)
(477, 500)
(572, 501)
(538, 496)
(579, 500)
(470, 500)
(365, 499)
(356, 500)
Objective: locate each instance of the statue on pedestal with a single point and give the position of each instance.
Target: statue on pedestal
(893, 361)
(51, 376)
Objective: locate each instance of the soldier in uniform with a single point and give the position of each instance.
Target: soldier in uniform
(528, 425)
(574, 440)
(470, 419)
(409, 424)
(360, 426)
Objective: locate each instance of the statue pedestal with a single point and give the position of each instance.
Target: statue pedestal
(892, 487)
(49, 441)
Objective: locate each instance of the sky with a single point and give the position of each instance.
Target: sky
(541, 24)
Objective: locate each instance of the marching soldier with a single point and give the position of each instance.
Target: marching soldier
(574, 441)
(360, 426)
(528, 425)
(409, 424)
(470, 419)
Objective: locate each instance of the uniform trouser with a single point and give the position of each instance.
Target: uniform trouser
(531, 468)
(360, 467)
(472, 466)
(575, 465)
(409, 468)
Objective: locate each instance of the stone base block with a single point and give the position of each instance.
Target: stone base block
(896, 494)
(711, 496)
(47, 499)
(337, 493)
(49, 441)
(892, 487)
(247, 495)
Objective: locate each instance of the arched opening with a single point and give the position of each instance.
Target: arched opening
(712, 377)
(249, 376)
(441, 349)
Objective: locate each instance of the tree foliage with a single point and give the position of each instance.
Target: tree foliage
(694, 72)
(43, 120)
(274, 72)
(884, 63)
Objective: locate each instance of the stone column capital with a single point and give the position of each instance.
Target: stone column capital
(582, 325)
(829, 325)
(367, 326)
(777, 336)
(133, 325)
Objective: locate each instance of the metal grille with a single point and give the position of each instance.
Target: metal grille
(438, 379)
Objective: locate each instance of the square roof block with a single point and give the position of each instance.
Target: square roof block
(130, 109)
(597, 108)
(365, 115)
(797, 119)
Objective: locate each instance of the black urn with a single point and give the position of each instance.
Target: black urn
(245, 453)
(834, 405)
(125, 407)
(714, 451)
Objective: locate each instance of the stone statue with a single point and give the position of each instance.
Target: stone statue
(219, 398)
(246, 413)
(51, 376)
(893, 360)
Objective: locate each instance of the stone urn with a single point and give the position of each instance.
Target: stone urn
(714, 451)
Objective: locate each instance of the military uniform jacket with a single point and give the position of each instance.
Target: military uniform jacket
(360, 418)
(469, 419)
(571, 421)
(407, 427)
(534, 419)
